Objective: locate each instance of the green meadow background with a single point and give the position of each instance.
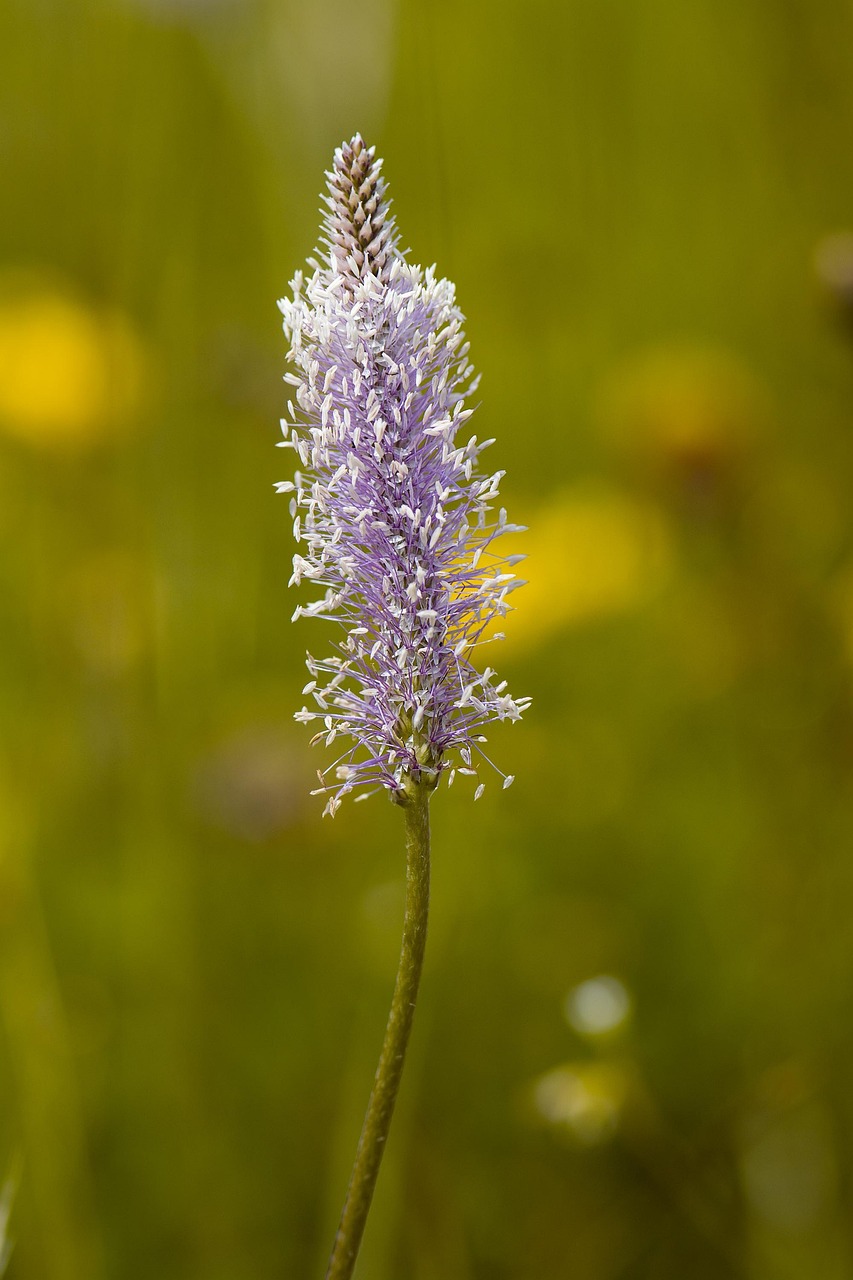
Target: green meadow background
(633, 1059)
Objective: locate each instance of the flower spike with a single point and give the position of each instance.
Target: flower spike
(394, 518)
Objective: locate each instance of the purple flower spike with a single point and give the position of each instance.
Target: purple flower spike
(393, 513)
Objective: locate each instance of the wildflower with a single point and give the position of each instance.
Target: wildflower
(395, 518)
(390, 505)
(597, 552)
(71, 376)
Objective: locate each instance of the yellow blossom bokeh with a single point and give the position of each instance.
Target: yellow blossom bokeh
(584, 1099)
(683, 412)
(594, 552)
(71, 375)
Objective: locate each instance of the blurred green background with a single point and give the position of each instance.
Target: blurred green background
(634, 1054)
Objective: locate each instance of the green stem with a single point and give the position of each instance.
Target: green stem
(377, 1121)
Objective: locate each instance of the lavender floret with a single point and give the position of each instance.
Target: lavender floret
(393, 514)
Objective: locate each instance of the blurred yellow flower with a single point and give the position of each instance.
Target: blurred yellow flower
(591, 554)
(684, 412)
(69, 375)
(583, 1098)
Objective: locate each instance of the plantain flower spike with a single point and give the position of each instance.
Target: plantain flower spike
(394, 518)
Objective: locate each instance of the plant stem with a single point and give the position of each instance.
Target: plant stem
(377, 1121)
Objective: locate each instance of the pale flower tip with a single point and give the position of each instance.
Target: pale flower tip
(508, 780)
(479, 791)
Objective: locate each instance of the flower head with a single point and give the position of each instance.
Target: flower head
(393, 514)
